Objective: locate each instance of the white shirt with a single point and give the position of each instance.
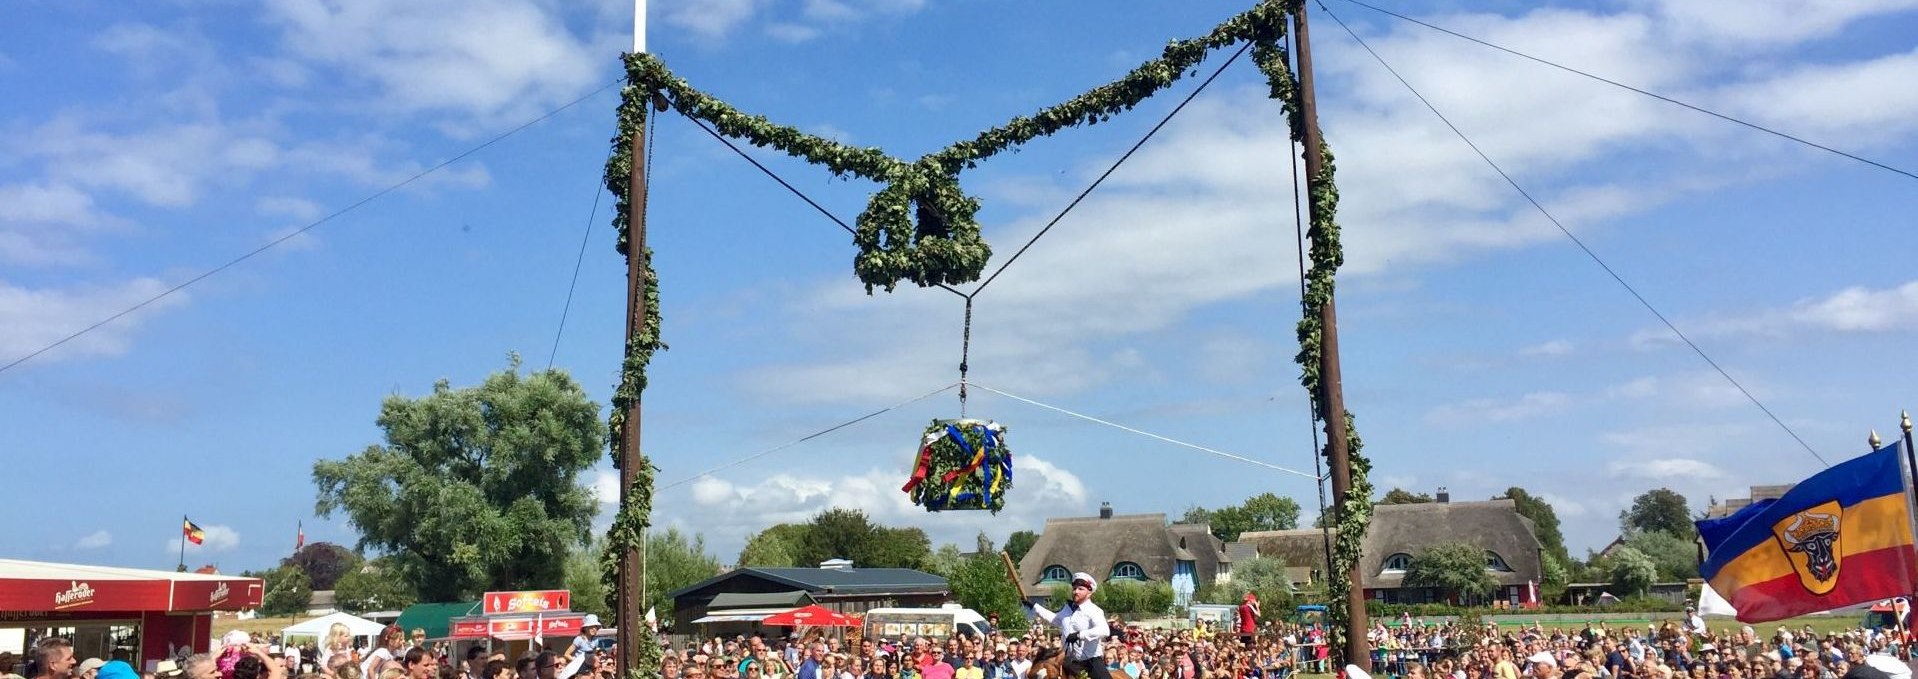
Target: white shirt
(1020, 668)
(1084, 619)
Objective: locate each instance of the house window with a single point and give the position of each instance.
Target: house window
(1398, 562)
(1056, 573)
(1127, 570)
(1494, 563)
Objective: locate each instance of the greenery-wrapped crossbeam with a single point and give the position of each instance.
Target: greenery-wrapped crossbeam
(961, 464)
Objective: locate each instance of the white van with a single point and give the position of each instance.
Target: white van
(932, 623)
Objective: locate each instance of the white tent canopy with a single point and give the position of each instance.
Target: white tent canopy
(317, 627)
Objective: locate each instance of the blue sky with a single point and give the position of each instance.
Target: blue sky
(146, 143)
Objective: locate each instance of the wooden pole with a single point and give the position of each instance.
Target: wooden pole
(632, 568)
(1332, 393)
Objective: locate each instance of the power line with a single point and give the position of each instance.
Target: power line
(1115, 166)
(1654, 95)
(309, 227)
(1574, 238)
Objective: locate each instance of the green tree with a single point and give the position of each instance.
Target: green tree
(946, 561)
(1675, 558)
(775, 547)
(1554, 575)
(1263, 576)
(1544, 518)
(585, 579)
(673, 561)
(1401, 496)
(1020, 542)
(323, 563)
(979, 583)
(1457, 567)
(898, 548)
(1659, 509)
(1196, 515)
(1632, 571)
(474, 489)
(288, 592)
(838, 533)
(1134, 600)
(374, 586)
(1267, 511)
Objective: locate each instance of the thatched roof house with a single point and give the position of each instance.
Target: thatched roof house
(1400, 532)
(1301, 550)
(1136, 547)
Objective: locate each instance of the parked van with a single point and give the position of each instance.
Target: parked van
(932, 623)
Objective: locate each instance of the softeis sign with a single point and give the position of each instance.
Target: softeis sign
(541, 601)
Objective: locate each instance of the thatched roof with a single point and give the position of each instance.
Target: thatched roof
(1094, 545)
(1299, 548)
(1493, 525)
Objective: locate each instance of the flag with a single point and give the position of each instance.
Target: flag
(652, 618)
(539, 630)
(193, 533)
(299, 543)
(1841, 537)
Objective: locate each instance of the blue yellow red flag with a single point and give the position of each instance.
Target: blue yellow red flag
(1841, 537)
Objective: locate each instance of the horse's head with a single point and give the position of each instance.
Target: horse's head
(1048, 663)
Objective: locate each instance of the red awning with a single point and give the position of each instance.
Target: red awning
(811, 616)
(38, 587)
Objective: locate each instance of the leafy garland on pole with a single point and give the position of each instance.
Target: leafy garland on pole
(628, 531)
(921, 227)
(1354, 509)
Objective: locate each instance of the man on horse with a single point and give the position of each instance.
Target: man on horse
(1083, 625)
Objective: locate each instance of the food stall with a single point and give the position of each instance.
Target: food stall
(518, 619)
(140, 616)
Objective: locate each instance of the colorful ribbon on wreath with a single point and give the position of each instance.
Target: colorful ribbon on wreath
(990, 464)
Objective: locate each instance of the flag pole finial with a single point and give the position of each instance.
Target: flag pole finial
(1904, 421)
(1875, 442)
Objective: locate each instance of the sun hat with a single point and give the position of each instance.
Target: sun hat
(590, 621)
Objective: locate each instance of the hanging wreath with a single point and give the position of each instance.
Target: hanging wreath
(962, 464)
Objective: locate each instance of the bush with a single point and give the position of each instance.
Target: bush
(1630, 605)
(1130, 600)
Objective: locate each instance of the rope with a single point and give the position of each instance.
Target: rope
(1115, 166)
(1575, 240)
(1151, 435)
(376, 195)
(965, 354)
(578, 261)
(809, 437)
(1654, 95)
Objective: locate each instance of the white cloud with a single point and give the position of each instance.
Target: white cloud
(95, 540)
(1762, 24)
(1232, 357)
(1666, 469)
(605, 486)
(219, 538)
(727, 512)
(1846, 101)
(1564, 507)
(1552, 349)
(709, 18)
(1695, 389)
(1480, 411)
(32, 318)
(165, 165)
(41, 223)
(299, 209)
(492, 60)
(1851, 310)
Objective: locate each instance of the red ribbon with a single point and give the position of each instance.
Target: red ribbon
(970, 467)
(921, 469)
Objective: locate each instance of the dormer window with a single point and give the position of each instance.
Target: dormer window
(1397, 563)
(1056, 573)
(1127, 570)
(1494, 563)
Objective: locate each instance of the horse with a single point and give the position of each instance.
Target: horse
(1050, 663)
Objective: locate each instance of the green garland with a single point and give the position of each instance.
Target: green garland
(636, 508)
(921, 227)
(939, 456)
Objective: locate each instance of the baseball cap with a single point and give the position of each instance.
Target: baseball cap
(89, 665)
(1542, 657)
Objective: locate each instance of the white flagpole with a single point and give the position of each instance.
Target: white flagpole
(639, 26)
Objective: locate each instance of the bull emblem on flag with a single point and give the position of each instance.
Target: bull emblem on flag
(1810, 541)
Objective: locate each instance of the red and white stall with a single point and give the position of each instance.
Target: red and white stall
(140, 616)
(521, 616)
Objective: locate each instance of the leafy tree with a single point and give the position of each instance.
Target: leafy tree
(838, 533)
(1632, 571)
(1453, 567)
(585, 578)
(674, 561)
(946, 561)
(1543, 517)
(1401, 496)
(1133, 600)
(982, 544)
(323, 563)
(374, 586)
(1675, 558)
(1261, 512)
(474, 489)
(1553, 576)
(898, 548)
(979, 582)
(1263, 576)
(1020, 542)
(1659, 509)
(775, 547)
(288, 592)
